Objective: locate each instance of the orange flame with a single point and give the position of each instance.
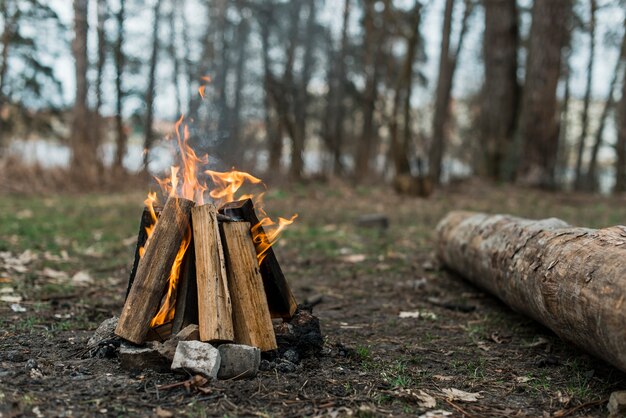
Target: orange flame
(227, 184)
(184, 182)
(166, 313)
(266, 232)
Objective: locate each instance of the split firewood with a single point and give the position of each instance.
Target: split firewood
(153, 271)
(142, 237)
(186, 310)
(214, 303)
(251, 316)
(280, 299)
(572, 280)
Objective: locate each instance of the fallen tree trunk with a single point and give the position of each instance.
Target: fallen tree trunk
(572, 280)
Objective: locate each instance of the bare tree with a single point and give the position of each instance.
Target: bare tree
(539, 126)
(119, 58)
(447, 66)
(500, 95)
(84, 161)
(584, 117)
(620, 163)
(150, 92)
(591, 180)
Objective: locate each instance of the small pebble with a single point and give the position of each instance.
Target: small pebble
(31, 364)
(286, 366)
(267, 365)
(292, 356)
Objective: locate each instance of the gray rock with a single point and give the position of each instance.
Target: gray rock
(292, 356)
(197, 357)
(142, 357)
(267, 365)
(104, 331)
(31, 364)
(617, 404)
(238, 361)
(285, 366)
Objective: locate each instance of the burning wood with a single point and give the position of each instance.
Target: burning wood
(164, 253)
(214, 306)
(194, 265)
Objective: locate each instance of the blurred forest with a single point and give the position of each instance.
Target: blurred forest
(319, 88)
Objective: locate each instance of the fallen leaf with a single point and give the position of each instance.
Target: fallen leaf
(522, 379)
(129, 241)
(7, 289)
(460, 395)
(537, 343)
(442, 378)
(163, 413)
(418, 314)
(354, 258)
(82, 278)
(16, 307)
(24, 214)
(11, 298)
(439, 413)
(54, 274)
(422, 398)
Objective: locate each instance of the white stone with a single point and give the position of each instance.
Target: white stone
(197, 357)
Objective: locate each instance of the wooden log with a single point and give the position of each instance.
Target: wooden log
(142, 236)
(214, 303)
(282, 303)
(572, 280)
(153, 271)
(252, 322)
(186, 309)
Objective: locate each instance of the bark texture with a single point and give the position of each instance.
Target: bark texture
(500, 91)
(539, 123)
(568, 278)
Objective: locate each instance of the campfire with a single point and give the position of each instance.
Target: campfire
(205, 258)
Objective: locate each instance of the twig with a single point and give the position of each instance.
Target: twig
(564, 413)
(459, 409)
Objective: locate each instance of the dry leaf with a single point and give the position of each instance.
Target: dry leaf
(11, 298)
(460, 395)
(54, 274)
(82, 278)
(522, 379)
(442, 378)
(354, 258)
(418, 314)
(439, 413)
(422, 398)
(16, 307)
(163, 413)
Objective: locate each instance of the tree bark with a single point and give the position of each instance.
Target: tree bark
(339, 93)
(567, 278)
(173, 53)
(150, 92)
(620, 163)
(236, 139)
(591, 180)
(447, 66)
(584, 117)
(500, 95)
(84, 161)
(539, 125)
(118, 53)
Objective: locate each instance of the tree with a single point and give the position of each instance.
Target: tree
(119, 58)
(84, 162)
(620, 162)
(150, 91)
(539, 126)
(584, 118)
(447, 65)
(500, 95)
(591, 180)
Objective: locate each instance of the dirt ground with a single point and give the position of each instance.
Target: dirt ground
(64, 263)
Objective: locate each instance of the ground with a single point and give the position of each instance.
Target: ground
(374, 362)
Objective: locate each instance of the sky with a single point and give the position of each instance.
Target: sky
(469, 75)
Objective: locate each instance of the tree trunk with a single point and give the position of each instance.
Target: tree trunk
(539, 126)
(620, 163)
(118, 52)
(372, 40)
(447, 67)
(339, 93)
(584, 117)
(272, 135)
(563, 155)
(172, 51)
(500, 95)
(567, 278)
(591, 177)
(150, 92)
(84, 162)
(10, 23)
(301, 104)
(235, 135)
